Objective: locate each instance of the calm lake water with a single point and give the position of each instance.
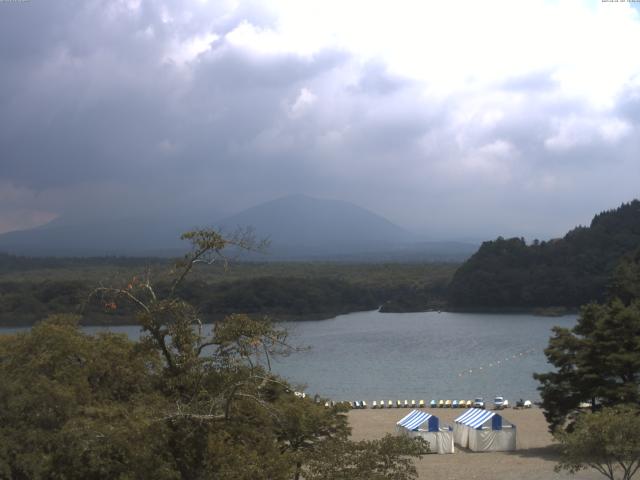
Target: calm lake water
(429, 355)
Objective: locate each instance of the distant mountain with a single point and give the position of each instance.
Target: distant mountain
(299, 225)
(568, 272)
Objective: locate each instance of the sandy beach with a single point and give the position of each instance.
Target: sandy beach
(534, 458)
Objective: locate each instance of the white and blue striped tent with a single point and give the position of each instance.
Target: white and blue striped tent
(422, 424)
(483, 430)
(416, 419)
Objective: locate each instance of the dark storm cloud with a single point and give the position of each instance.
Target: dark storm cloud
(110, 108)
(119, 105)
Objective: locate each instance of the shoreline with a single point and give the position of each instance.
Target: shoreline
(100, 320)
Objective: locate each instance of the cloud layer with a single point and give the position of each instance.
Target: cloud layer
(463, 119)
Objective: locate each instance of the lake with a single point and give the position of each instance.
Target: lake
(428, 355)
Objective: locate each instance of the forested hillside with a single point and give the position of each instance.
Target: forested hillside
(566, 272)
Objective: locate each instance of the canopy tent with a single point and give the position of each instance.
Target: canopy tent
(422, 424)
(484, 431)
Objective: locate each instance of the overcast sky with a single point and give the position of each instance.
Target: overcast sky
(451, 118)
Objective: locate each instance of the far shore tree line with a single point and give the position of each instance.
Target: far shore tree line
(31, 289)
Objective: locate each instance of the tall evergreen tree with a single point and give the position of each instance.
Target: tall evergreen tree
(598, 360)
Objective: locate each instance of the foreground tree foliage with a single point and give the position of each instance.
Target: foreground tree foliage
(70, 401)
(597, 361)
(182, 403)
(607, 441)
(389, 458)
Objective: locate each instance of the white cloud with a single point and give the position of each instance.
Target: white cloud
(465, 45)
(184, 51)
(574, 131)
(613, 130)
(118, 8)
(303, 102)
(259, 40)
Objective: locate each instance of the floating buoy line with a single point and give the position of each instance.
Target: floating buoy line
(497, 363)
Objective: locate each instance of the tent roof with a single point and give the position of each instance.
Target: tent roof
(414, 419)
(475, 418)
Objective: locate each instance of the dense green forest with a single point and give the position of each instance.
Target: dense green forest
(32, 288)
(566, 272)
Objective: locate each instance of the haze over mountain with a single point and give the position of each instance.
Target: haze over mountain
(129, 236)
(324, 225)
(298, 226)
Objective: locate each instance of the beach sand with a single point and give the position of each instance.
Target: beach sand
(534, 458)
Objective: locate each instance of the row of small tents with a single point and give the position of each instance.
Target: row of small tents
(420, 404)
(412, 404)
(477, 429)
